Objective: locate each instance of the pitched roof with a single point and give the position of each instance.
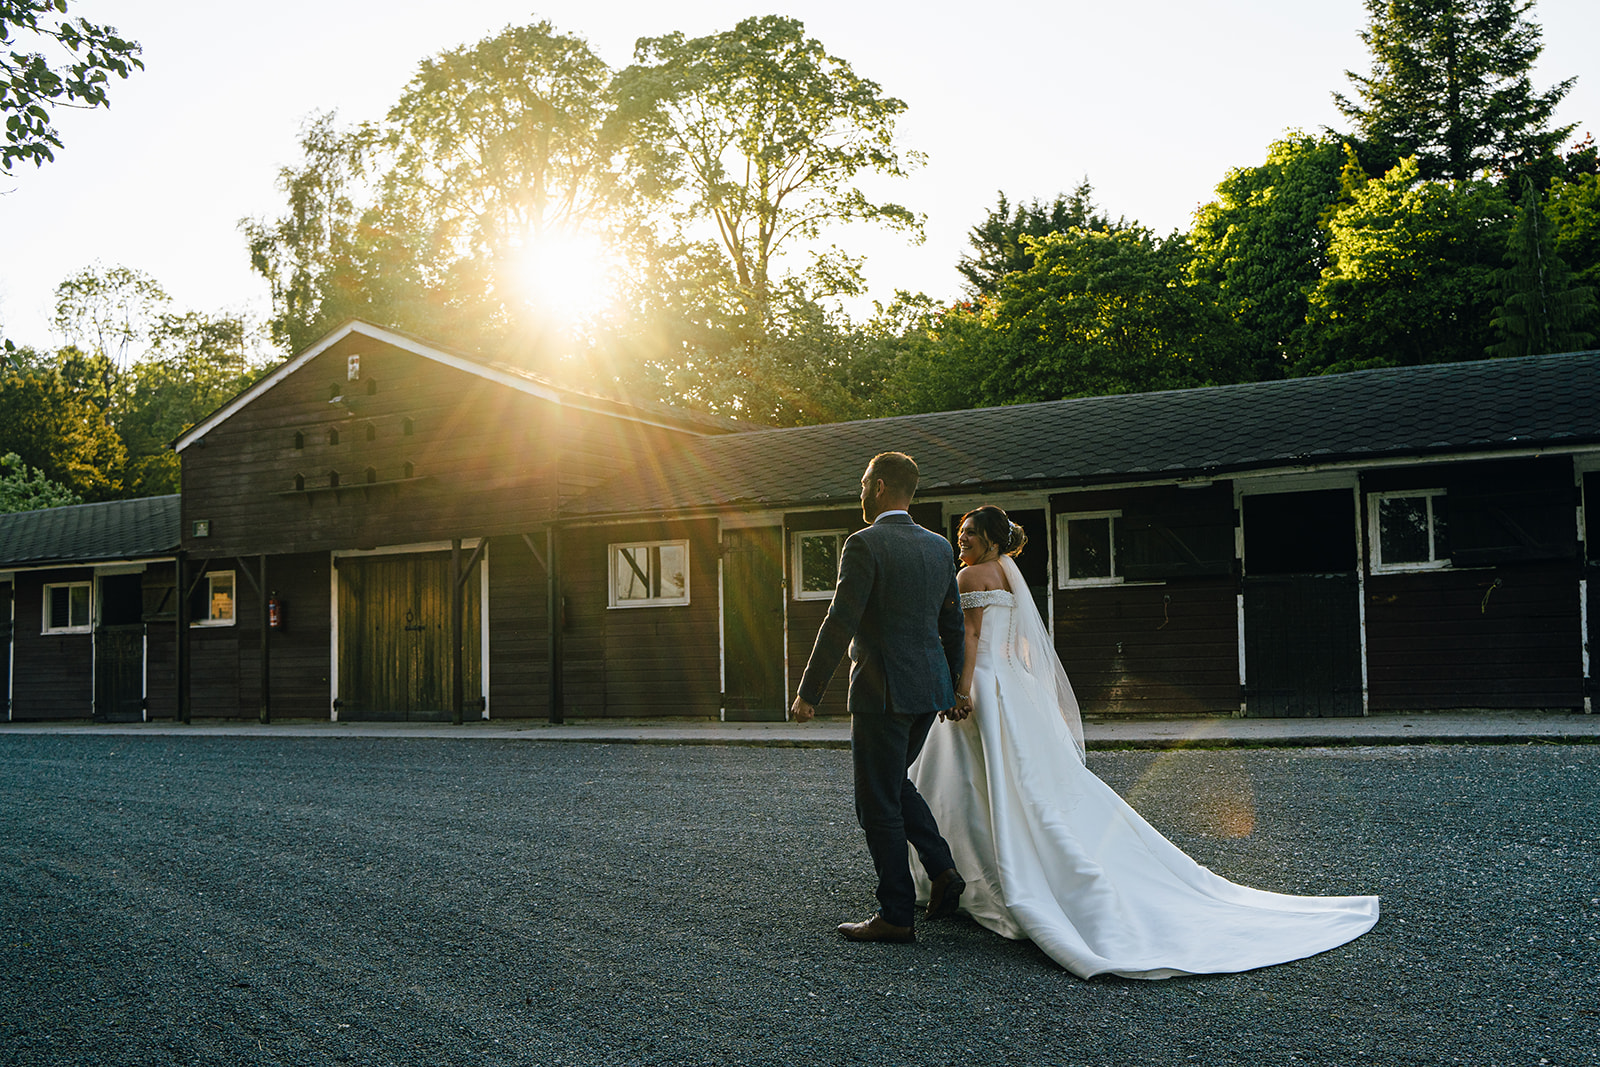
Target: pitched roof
(1488, 405)
(514, 377)
(87, 533)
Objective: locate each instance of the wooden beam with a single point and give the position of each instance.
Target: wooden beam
(456, 686)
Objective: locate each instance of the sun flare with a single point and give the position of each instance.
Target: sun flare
(566, 276)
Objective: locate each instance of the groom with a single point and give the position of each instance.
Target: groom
(897, 607)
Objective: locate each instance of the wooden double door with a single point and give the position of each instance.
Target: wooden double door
(1302, 606)
(395, 636)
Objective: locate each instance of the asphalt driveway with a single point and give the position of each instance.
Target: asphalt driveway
(227, 900)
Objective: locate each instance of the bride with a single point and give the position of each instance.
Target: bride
(1052, 853)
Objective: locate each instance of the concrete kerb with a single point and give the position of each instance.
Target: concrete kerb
(1477, 728)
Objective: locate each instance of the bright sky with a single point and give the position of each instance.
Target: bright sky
(1152, 100)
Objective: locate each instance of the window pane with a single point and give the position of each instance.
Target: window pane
(80, 605)
(1403, 529)
(1089, 548)
(633, 581)
(819, 563)
(1441, 527)
(59, 607)
(221, 598)
(673, 581)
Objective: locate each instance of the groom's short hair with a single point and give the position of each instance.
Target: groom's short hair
(898, 471)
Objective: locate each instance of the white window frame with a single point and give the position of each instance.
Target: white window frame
(1063, 579)
(1375, 540)
(211, 577)
(613, 551)
(87, 626)
(797, 557)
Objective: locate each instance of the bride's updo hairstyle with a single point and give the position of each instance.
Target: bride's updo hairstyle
(997, 529)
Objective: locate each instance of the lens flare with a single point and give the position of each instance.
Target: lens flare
(565, 276)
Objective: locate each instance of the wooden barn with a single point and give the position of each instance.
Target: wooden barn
(385, 529)
(1399, 539)
(89, 599)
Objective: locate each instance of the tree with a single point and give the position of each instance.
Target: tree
(32, 83)
(494, 153)
(1450, 84)
(1412, 275)
(308, 255)
(1542, 310)
(997, 241)
(51, 428)
(108, 311)
(1573, 208)
(1097, 313)
(767, 133)
(25, 488)
(1262, 244)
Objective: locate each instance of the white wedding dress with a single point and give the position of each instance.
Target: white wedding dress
(1051, 853)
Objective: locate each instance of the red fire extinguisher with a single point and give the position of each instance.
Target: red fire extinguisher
(274, 612)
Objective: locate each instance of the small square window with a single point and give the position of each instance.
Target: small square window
(649, 574)
(1409, 531)
(66, 608)
(816, 563)
(217, 606)
(1087, 548)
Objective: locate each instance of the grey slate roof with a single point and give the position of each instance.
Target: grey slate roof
(86, 533)
(1362, 416)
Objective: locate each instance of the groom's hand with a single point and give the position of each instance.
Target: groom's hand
(801, 711)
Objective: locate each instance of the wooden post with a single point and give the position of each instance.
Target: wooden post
(456, 686)
(553, 615)
(266, 671)
(180, 657)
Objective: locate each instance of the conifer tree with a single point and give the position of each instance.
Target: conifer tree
(1542, 310)
(1450, 84)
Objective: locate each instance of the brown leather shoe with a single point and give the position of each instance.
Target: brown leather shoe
(876, 929)
(946, 895)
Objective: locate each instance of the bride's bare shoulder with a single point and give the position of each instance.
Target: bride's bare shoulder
(980, 576)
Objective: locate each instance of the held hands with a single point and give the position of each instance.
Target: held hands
(801, 711)
(962, 709)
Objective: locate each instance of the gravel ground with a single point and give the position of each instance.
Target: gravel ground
(265, 901)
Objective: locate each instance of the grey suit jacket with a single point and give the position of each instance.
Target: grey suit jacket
(898, 609)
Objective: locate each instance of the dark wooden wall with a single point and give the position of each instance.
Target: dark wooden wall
(484, 458)
(519, 651)
(225, 661)
(53, 673)
(1160, 646)
(1498, 635)
(1161, 649)
(161, 641)
(639, 662)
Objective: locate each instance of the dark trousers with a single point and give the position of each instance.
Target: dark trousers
(883, 745)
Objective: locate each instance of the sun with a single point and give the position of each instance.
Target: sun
(566, 276)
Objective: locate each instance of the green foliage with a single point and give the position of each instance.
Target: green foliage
(1450, 84)
(998, 241)
(31, 82)
(1097, 313)
(1412, 277)
(198, 362)
(51, 427)
(1573, 208)
(764, 133)
(1262, 243)
(1542, 310)
(25, 488)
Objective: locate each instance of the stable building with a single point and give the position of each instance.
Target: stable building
(382, 528)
